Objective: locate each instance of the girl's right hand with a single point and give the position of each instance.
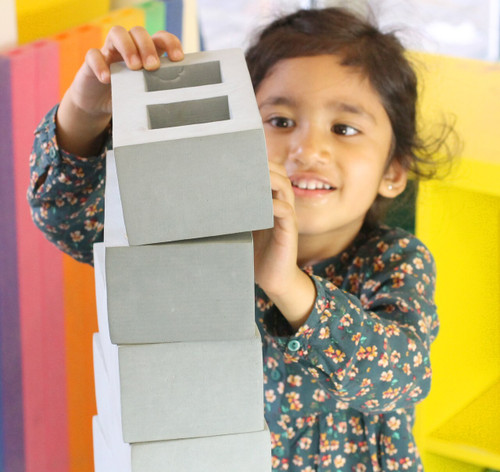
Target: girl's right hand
(85, 109)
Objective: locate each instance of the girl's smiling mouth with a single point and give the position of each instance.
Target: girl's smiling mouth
(310, 185)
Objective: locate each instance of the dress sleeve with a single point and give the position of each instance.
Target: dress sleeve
(371, 352)
(66, 192)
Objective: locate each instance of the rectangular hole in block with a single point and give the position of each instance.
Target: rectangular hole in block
(169, 115)
(174, 77)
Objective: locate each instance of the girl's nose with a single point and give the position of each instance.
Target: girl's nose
(311, 146)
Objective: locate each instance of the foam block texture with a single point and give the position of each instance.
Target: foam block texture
(184, 291)
(185, 390)
(190, 149)
(249, 452)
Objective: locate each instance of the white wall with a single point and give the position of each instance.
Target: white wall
(8, 24)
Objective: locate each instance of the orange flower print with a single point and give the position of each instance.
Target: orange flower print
(392, 330)
(395, 357)
(76, 236)
(324, 333)
(386, 376)
(378, 328)
(91, 210)
(294, 380)
(294, 401)
(91, 224)
(407, 369)
(326, 460)
(418, 263)
(412, 345)
(397, 280)
(346, 320)
(404, 242)
(369, 353)
(406, 463)
(382, 246)
(342, 427)
(356, 338)
(394, 423)
(384, 360)
(407, 268)
(360, 468)
(305, 443)
(350, 447)
(336, 355)
(270, 396)
(378, 264)
(319, 395)
(417, 359)
(298, 461)
(339, 461)
(392, 464)
(391, 393)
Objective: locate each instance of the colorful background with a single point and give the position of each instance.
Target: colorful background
(47, 309)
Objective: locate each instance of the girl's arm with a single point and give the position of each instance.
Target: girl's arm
(369, 351)
(66, 191)
(85, 109)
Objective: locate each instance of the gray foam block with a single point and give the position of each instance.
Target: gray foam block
(187, 390)
(250, 452)
(190, 149)
(184, 291)
(246, 452)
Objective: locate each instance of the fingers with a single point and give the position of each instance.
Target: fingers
(283, 196)
(138, 49)
(169, 43)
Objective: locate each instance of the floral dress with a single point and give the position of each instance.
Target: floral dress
(340, 392)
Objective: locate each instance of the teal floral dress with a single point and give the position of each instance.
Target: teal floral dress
(340, 392)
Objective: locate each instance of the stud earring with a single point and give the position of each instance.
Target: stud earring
(390, 187)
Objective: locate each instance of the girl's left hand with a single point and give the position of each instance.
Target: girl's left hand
(275, 249)
(275, 255)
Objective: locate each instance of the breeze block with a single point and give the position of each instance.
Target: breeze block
(190, 149)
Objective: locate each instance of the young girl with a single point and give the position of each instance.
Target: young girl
(344, 304)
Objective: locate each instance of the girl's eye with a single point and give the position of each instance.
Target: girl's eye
(280, 122)
(344, 130)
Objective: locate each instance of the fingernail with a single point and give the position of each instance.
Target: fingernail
(176, 54)
(135, 61)
(151, 61)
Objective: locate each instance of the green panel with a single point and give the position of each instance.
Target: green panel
(155, 15)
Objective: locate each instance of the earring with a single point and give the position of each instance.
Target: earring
(390, 187)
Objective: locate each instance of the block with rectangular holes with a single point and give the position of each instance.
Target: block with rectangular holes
(190, 149)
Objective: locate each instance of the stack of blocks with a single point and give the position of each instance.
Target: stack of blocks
(177, 359)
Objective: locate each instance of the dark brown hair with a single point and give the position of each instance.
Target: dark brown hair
(378, 56)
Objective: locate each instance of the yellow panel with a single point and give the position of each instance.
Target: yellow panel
(462, 230)
(126, 17)
(470, 90)
(473, 435)
(436, 463)
(459, 219)
(38, 19)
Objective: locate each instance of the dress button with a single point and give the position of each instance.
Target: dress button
(293, 345)
(275, 375)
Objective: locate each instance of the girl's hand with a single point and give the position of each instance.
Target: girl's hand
(85, 110)
(275, 255)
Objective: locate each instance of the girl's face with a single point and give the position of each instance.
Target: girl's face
(325, 123)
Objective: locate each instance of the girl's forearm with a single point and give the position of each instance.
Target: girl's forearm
(298, 301)
(78, 132)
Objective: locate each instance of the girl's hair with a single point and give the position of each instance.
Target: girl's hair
(378, 56)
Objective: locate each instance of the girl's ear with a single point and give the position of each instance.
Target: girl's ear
(394, 180)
